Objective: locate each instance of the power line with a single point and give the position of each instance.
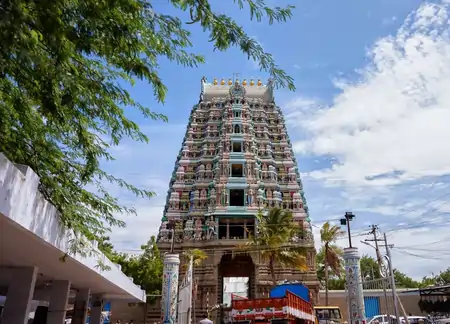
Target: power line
(425, 212)
(420, 256)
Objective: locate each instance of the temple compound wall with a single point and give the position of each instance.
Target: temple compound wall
(236, 158)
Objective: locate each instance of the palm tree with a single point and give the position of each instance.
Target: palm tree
(197, 256)
(274, 241)
(329, 234)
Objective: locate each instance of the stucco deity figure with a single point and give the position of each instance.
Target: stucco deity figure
(212, 199)
(164, 232)
(189, 230)
(250, 197)
(261, 197)
(198, 229)
(211, 229)
(202, 84)
(272, 173)
(186, 151)
(226, 169)
(178, 231)
(224, 197)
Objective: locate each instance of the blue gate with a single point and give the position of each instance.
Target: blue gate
(372, 306)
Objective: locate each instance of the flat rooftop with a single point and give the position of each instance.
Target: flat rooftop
(31, 234)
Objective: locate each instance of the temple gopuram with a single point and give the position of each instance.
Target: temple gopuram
(236, 158)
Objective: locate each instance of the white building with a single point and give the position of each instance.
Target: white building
(32, 240)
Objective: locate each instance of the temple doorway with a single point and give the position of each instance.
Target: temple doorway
(236, 276)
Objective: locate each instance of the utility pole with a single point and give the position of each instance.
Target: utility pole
(348, 217)
(391, 272)
(380, 268)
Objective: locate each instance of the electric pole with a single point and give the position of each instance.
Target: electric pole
(348, 217)
(391, 272)
(381, 268)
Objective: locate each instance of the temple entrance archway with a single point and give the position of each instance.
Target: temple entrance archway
(236, 275)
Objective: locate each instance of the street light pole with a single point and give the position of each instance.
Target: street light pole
(348, 217)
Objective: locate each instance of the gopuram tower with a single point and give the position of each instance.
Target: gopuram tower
(236, 158)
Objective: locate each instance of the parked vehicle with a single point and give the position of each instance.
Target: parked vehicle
(416, 320)
(382, 319)
(328, 314)
(290, 309)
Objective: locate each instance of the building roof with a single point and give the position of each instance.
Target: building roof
(32, 235)
(443, 290)
(222, 88)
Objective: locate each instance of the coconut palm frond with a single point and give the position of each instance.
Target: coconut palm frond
(277, 231)
(330, 233)
(334, 260)
(292, 258)
(197, 255)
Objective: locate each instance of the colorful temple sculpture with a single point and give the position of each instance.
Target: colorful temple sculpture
(236, 158)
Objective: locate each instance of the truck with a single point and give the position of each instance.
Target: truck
(323, 314)
(286, 309)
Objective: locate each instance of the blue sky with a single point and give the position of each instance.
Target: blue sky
(368, 120)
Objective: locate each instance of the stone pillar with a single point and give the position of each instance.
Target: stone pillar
(228, 229)
(96, 310)
(81, 306)
(58, 302)
(170, 288)
(355, 297)
(19, 296)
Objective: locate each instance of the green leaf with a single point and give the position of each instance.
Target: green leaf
(64, 101)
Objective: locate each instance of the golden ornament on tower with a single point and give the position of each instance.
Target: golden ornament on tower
(252, 83)
(244, 83)
(215, 81)
(259, 83)
(230, 82)
(222, 82)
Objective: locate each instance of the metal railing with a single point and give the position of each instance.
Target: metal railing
(378, 297)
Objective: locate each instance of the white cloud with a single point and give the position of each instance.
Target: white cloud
(395, 117)
(146, 222)
(147, 166)
(387, 134)
(139, 228)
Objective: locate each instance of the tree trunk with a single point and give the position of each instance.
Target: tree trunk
(325, 261)
(272, 272)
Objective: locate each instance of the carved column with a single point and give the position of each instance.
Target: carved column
(170, 288)
(354, 286)
(245, 229)
(228, 229)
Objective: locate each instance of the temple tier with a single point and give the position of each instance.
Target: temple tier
(236, 158)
